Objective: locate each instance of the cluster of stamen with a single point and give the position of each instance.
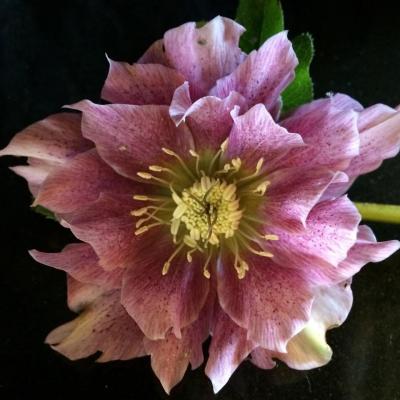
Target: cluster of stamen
(203, 201)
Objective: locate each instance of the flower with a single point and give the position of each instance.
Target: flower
(200, 210)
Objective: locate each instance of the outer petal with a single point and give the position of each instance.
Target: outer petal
(81, 295)
(293, 193)
(104, 326)
(379, 127)
(108, 227)
(309, 349)
(159, 303)
(205, 54)
(55, 138)
(170, 357)
(140, 83)
(155, 54)
(81, 262)
(366, 250)
(271, 302)
(330, 131)
(229, 347)
(263, 75)
(255, 135)
(130, 138)
(330, 233)
(36, 172)
(79, 182)
(209, 118)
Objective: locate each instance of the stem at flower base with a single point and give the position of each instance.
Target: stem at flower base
(379, 212)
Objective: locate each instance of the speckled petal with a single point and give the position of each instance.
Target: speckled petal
(330, 132)
(264, 74)
(255, 135)
(159, 303)
(103, 326)
(55, 138)
(140, 83)
(130, 138)
(204, 54)
(331, 230)
(79, 182)
(272, 303)
(229, 347)
(81, 262)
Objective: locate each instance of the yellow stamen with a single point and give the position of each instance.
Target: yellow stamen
(183, 164)
(167, 264)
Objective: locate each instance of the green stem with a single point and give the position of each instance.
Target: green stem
(379, 212)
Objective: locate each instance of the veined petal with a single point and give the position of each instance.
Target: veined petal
(171, 356)
(104, 326)
(293, 193)
(309, 349)
(255, 135)
(36, 172)
(331, 230)
(159, 303)
(155, 54)
(80, 295)
(379, 127)
(209, 118)
(204, 54)
(81, 262)
(55, 138)
(264, 74)
(272, 303)
(330, 132)
(79, 182)
(229, 347)
(108, 227)
(130, 138)
(140, 83)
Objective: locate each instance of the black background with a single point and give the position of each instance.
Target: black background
(52, 53)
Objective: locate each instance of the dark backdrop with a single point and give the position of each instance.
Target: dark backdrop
(52, 53)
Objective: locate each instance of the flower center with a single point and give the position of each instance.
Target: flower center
(209, 209)
(209, 205)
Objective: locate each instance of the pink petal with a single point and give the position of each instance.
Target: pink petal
(331, 230)
(379, 128)
(329, 131)
(205, 54)
(55, 138)
(366, 250)
(292, 195)
(140, 83)
(81, 262)
(229, 347)
(255, 135)
(272, 303)
(209, 118)
(36, 172)
(104, 326)
(80, 295)
(130, 138)
(170, 357)
(262, 358)
(108, 227)
(155, 54)
(79, 182)
(309, 349)
(159, 302)
(264, 74)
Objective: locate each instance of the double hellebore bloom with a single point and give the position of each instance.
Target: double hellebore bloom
(200, 211)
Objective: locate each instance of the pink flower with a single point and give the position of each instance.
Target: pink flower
(200, 211)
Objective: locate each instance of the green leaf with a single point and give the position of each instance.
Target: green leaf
(300, 91)
(273, 21)
(44, 211)
(261, 18)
